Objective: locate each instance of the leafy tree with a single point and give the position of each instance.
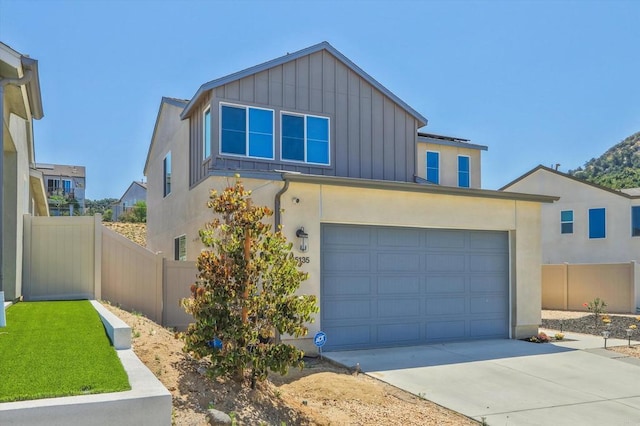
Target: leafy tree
(245, 297)
(98, 206)
(136, 214)
(617, 168)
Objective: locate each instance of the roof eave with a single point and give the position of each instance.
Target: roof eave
(422, 121)
(33, 87)
(416, 187)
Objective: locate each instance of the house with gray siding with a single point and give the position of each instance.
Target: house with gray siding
(66, 185)
(136, 192)
(402, 245)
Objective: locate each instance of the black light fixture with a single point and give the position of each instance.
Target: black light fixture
(304, 239)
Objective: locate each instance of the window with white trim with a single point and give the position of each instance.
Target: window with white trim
(246, 131)
(305, 138)
(433, 167)
(206, 133)
(463, 171)
(180, 248)
(566, 222)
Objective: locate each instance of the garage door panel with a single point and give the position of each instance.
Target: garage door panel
(406, 333)
(401, 262)
(342, 235)
(344, 285)
(347, 309)
(410, 286)
(488, 304)
(488, 283)
(487, 263)
(446, 305)
(398, 308)
(446, 330)
(398, 284)
(488, 328)
(347, 261)
(398, 237)
(443, 239)
(490, 241)
(349, 336)
(445, 284)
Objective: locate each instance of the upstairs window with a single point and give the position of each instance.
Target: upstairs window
(635, 221)
(566, 222)
(463, 171)
(166, 166)
(180, 248)
(206, 132)
(433, 167)
(305, 138)
(597, 223)
(246, 131)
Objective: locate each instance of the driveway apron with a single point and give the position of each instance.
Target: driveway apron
(511, 382)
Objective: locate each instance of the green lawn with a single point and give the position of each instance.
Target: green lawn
(52, 349)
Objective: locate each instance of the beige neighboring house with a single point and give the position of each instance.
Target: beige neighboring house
(401, 247)
(66, 186)
(589, 224)
(22, 188)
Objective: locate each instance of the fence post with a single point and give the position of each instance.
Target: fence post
(635, 287)
(565, 283)
(97, 259)
(160, 278)
(26, 256)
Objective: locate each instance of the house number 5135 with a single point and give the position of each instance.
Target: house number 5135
(302, 259)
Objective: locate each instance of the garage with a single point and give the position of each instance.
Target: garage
(392, 286)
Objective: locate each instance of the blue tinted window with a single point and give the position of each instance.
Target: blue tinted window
(233, 130)
(305, 138)
(463, 171)
(260, 133)
(566, 222)
(317, 140)
(206, 140)
(292, 137)
(167, 174)
(597, 223)
(635, 221)
(433, 167)
(235, 139)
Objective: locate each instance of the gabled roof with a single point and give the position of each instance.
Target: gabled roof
(292, 57)
(143, 185)
(179, 103)
(568, 176)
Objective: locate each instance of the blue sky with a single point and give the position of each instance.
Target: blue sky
(539, 82)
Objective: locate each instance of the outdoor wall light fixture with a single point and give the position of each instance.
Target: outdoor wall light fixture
(605, 335)
(304, 239)
(629, 333)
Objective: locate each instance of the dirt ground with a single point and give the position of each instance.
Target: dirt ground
(321, 394)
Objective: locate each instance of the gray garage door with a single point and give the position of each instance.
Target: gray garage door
(388, 286)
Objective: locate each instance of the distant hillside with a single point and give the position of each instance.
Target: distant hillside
(617, 168)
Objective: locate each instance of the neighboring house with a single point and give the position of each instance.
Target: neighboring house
(22, 188)
(393, 259)
(137, 191)
(65, 188)
(589, 224)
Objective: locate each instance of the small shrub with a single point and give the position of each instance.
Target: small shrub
(559, 336)
(596, 307)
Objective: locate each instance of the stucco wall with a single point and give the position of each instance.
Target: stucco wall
(449, 163)
(618, 246)
(336, 204)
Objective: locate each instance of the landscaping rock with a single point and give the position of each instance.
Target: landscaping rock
(217, 417)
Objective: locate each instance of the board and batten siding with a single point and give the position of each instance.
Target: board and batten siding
(372, 137)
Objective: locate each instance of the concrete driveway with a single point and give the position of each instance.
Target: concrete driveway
(510, 382)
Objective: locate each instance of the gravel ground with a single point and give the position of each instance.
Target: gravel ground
(586, 323)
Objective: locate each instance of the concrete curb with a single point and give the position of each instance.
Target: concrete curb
(147, 403)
